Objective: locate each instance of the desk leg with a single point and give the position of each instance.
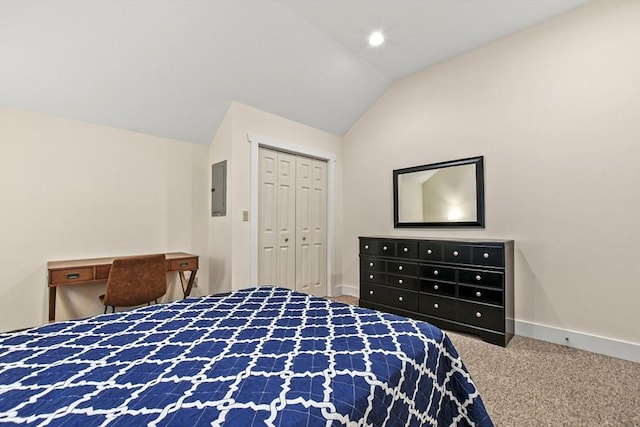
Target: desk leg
(52, 304)
(192, 278)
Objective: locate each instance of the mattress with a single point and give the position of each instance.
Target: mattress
(261, 356)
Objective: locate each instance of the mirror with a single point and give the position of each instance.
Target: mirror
(445, 194)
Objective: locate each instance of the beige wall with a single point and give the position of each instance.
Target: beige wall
(230, 237)
(73, 190)
(555, 110)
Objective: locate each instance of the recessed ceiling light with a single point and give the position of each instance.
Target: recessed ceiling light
(376, 38)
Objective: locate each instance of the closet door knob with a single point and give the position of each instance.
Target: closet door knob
(304, 238)
(286, 239)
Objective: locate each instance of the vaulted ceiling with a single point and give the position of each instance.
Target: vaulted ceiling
(171, 68)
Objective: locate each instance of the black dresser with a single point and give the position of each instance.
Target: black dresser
(461, 285)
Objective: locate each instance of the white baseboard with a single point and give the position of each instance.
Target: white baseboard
(353, 291)
(580, 340)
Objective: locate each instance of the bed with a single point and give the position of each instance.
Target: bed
(261, 356)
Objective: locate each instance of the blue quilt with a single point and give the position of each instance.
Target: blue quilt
(262, 356)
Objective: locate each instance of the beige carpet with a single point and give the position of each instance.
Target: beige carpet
(535, 383)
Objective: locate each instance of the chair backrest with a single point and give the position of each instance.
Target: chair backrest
(136, 280)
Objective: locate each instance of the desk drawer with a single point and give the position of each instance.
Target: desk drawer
(70, 275)
(102, 272)
(183, 264)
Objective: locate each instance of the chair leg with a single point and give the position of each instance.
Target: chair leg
(156, 301)
(113, 309)
(105, 309)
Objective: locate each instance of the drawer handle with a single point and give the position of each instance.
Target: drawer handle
(400, 281)
(406, 249)
(371, 276)
(73, 276)
(400, 299)
(478, 314)
(455, 253)
(429, 252)
(485, 255)
(400, 267)
(370, 264)
(384, 248)
(286, 239)
(184, 264)
(478, 294)
(435, 272)
(436, 306)
(370, 292)
(435, 287)
(478, 277)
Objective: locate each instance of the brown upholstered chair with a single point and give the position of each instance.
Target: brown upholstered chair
(135, 280)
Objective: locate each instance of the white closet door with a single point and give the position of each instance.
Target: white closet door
(311, 221)
(276, 204)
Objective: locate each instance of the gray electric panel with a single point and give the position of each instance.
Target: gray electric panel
(219, 189)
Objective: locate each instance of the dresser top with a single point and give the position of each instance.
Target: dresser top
(441, 239)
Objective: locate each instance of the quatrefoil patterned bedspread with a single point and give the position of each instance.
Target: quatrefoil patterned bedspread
(261, 356)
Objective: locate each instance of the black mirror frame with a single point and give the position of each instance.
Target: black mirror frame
(477, 161)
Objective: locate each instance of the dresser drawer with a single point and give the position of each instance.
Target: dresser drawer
(430, 251)
(473, 293)
(438, 288)
(488, 255)
(378, 247)
(407, 249)
(374, 293)
(437, 306)
(400, 298)
(459, 254)
(404, 268)
(372, 264)
(435, 272)
(481, 315)
(373, 277)
(70, 275)
(183, 264)
(402, 282)
(482, 278)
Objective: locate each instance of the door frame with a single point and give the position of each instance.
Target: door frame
(258, 141)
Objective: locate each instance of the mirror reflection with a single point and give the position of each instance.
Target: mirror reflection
(440, 194)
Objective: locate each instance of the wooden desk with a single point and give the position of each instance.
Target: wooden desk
(80, 271)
